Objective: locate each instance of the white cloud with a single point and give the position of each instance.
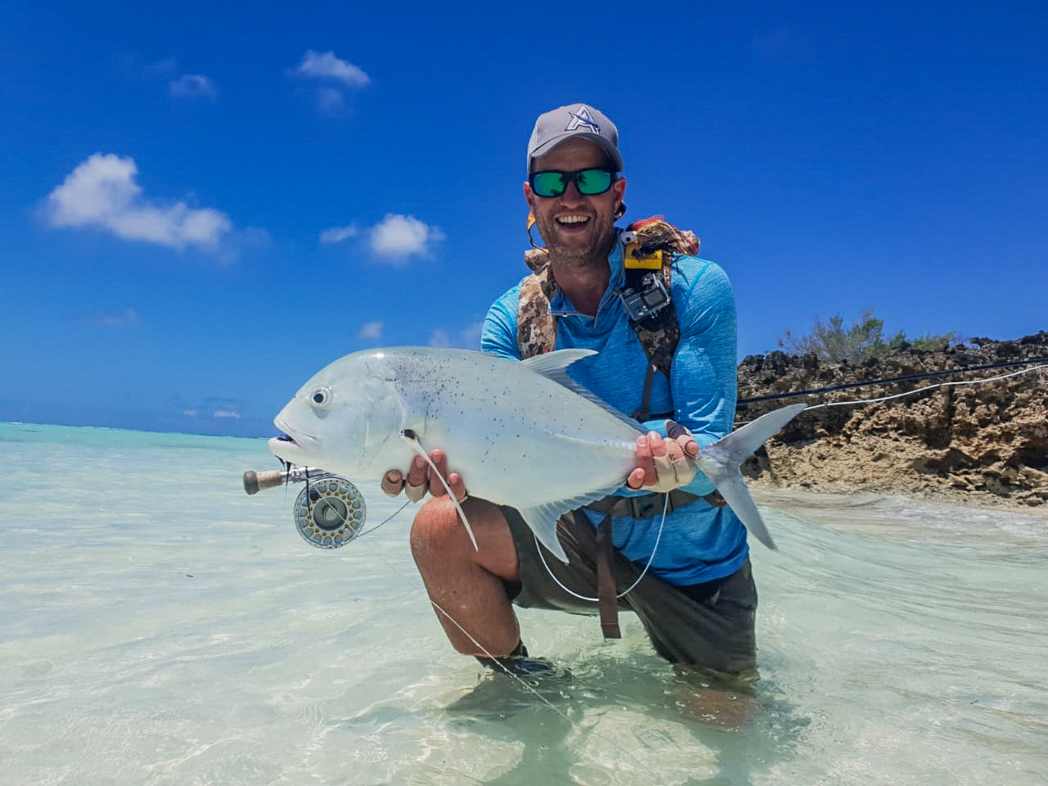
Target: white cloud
(324, 65)
(338, 234)
(371, 330)
(193, 86)
(397, 237)
(440, 338)
(189, 413)
(103, 319)
(471, 335)
(466, 338)
(102, 192)
(226, 413)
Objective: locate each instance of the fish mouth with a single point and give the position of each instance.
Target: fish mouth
(290, 444)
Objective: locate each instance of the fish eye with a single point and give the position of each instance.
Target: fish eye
(320, 397)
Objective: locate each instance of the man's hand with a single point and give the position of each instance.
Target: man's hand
(420, 479)
(664, 463)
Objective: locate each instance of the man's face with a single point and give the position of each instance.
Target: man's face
(577, 229)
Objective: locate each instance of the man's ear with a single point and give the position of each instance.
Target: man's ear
(529, 197)
(619, 190)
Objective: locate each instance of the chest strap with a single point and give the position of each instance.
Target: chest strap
(607, 596)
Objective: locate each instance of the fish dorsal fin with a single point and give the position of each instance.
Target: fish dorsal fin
(543, 519)
(554, 366)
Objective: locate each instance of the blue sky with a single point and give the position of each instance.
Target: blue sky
(203, 205)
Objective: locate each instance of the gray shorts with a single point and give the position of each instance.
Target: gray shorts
(709, 626)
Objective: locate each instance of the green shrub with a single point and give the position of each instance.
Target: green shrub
(832, 342)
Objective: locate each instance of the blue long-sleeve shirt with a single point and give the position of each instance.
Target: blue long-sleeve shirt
(699, 542)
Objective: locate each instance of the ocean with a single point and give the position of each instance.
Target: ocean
(159, 626)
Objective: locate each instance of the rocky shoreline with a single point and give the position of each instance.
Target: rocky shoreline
(972, 444)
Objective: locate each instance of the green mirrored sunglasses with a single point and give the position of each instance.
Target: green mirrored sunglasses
(589, 182)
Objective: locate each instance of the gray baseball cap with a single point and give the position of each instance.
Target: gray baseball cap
(574, 120)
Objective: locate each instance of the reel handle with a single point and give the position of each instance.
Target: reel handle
(255, 482)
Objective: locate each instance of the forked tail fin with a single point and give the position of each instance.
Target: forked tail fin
(721, 461)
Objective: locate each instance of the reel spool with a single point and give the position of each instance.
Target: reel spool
(329, 512)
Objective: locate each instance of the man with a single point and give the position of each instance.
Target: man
(696, 599)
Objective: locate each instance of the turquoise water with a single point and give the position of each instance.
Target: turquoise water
(158, 626)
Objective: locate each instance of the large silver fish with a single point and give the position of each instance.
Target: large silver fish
(522, 434)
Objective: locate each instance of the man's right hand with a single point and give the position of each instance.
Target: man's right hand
(664, 463)
(421, 479)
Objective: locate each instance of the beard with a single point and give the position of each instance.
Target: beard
(580, 252)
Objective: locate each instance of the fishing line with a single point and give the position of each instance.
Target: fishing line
(495, 659)
(412, 439)
(624, 593)
(927, 387)
(887, 380)
(899, 395)
(386, 520)
(458, 625)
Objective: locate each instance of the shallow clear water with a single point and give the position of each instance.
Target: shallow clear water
(158, 626)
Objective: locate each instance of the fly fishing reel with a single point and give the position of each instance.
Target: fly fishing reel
(329, 512)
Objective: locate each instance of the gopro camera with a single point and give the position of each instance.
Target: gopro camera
(647, 299)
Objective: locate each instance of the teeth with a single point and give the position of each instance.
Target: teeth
(572, 219)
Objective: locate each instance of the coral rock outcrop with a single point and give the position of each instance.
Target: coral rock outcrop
(985, 442)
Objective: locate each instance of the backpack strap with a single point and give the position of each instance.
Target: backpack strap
(655, 244)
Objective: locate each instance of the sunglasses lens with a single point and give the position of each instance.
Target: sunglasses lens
(548, 184)
(593, 181)
(589, 182)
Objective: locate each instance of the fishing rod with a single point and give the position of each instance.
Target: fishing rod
(329, 512)
(888, 380)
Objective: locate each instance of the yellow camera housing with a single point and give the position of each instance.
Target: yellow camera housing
(633, 262)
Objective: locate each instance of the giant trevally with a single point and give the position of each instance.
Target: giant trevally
(520, 433)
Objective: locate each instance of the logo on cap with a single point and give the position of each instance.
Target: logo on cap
(581, 118)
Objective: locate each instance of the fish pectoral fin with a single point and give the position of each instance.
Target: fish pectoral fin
(542, 520)
(543, 523)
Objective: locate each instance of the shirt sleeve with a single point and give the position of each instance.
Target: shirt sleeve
(499, 333)
(703, 375)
